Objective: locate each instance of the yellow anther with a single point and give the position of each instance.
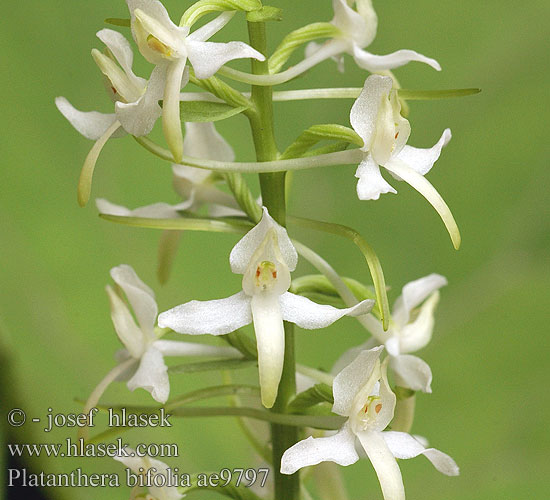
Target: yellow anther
(156, 45)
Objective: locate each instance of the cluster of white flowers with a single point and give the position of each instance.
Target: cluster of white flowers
(266, 256)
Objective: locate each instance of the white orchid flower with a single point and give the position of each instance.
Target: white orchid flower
(136, 103)
(376, 117)
(358, 30)
(411, 327)
(168, 46)
(140, 465)
(265, 257)
(361, 393)
(195, 185)
(140, 340)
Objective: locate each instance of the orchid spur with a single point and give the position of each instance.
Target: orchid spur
(135, 99)
(362, 393)
(376, 118)
(265, 256)
(168, 46)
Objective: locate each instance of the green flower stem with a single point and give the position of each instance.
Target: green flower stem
(351, 157)
(272, 185)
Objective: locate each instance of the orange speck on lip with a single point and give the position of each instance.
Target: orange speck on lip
(378, 407)
(258, 272)
(397, 135)
(114, 90)
(274, 274)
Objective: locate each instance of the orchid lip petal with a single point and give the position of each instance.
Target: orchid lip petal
(384, 463)
(270, 339)
(171, 121)
(202, 140)
(371, 184)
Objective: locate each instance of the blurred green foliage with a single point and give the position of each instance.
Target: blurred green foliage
(488, 409)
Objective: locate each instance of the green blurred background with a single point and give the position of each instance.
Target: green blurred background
(489, 352)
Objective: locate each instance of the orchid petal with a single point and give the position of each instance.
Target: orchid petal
(152, 375)
(422, 160)
(352, 378)
(270, 339)
(371, 184)
(423, 186)
(348, 356)
(244, 250)
(216, 317)
(411, 372)
(177, 348)
(139, 295)
(208, 57)
(154, 211)
(387, 398)
(361, 30)
(309, 315)
(373, 63)
(171, 122)
(138, 118)
(202, 140)
(211, 28)
(90, 124)
(339, 448)
(128, 332)
(365, 109)
(416, 335)
(384, 463)
(121, 50)
(404, 446)
(215, 210)
(413, 294)
(84, 188)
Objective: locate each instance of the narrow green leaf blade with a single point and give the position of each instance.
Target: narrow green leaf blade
(204, 111)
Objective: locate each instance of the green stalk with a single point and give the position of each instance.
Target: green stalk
(272, 186)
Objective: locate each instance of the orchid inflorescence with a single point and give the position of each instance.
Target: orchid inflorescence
(365, 405)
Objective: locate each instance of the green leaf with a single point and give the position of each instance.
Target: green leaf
(204, 111)
(117, 21)
(319, 393)
(428, 95)
(167, 249)
(310, 137)
(266, 13)
(204, 7)
(206, 366)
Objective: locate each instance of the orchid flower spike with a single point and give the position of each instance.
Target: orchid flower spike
(196, 186)
(141, 465)
(411, 327)
(358, 30)
(362, 393)
(265, 257)
(168, 46)
(376, 117)
(135, 99)
(140, 339)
